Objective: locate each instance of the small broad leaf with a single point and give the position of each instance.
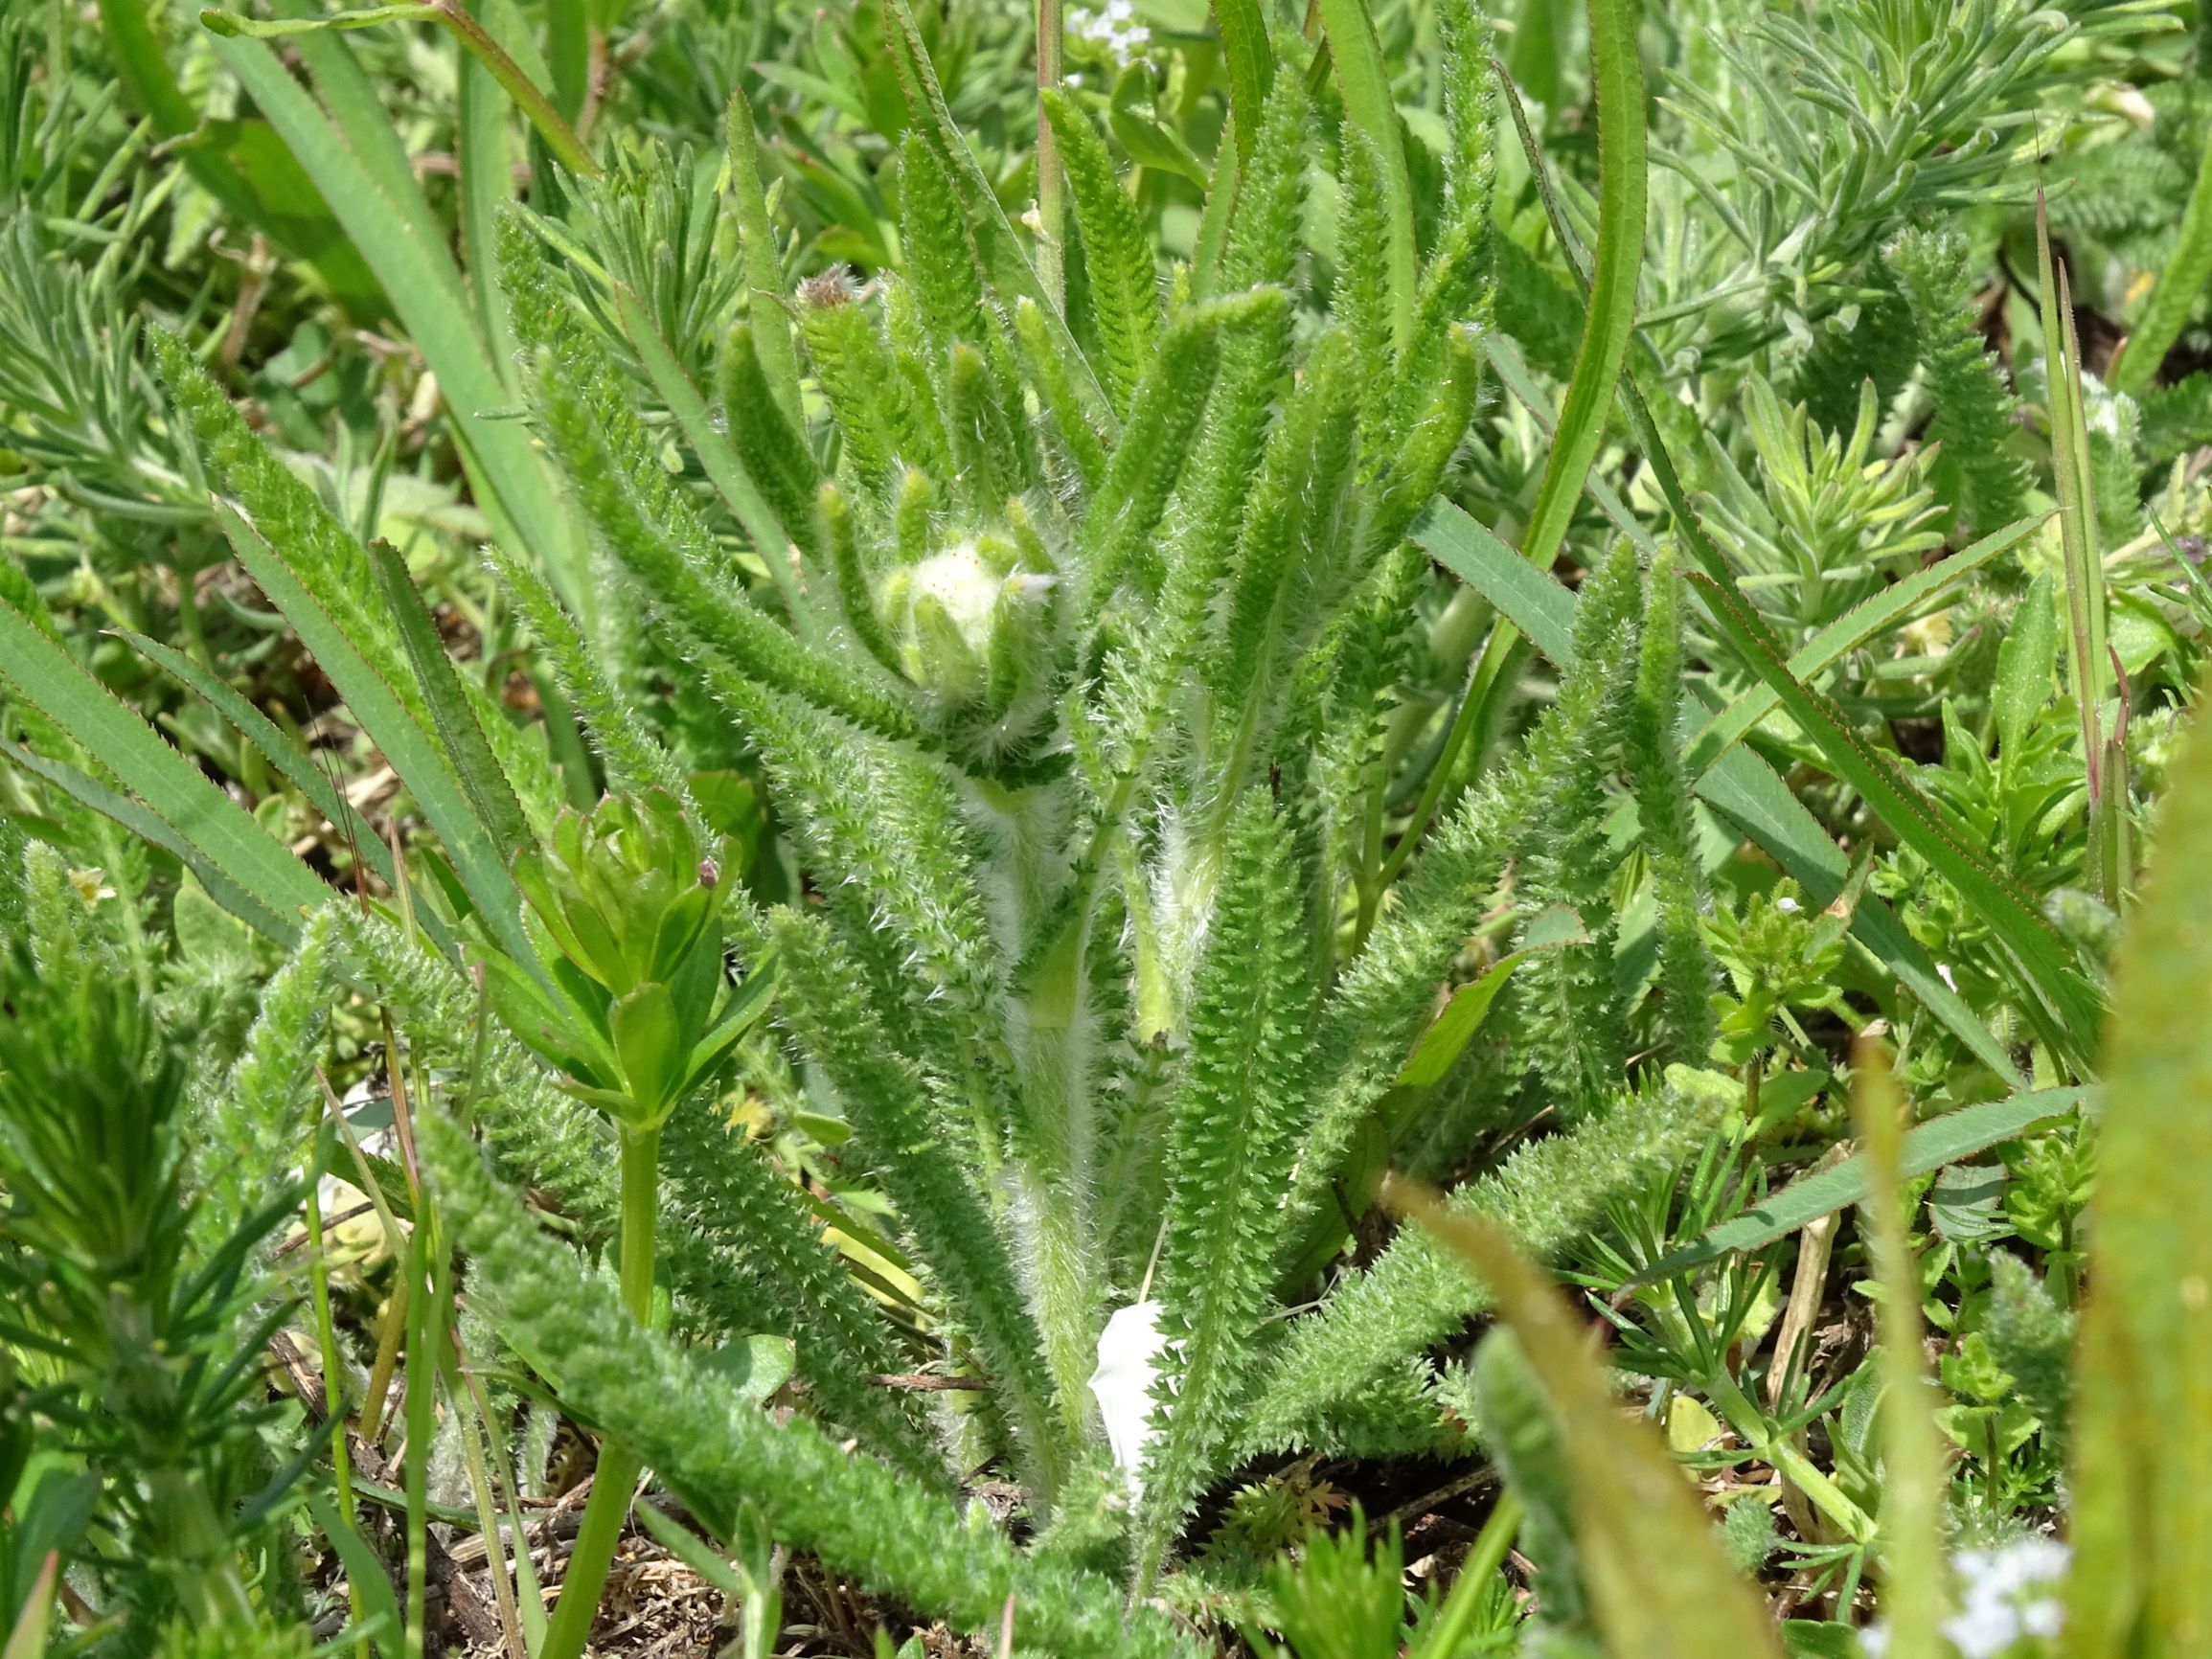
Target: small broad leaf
(2023, 682)
(648, 1041)
(365, 1574)
(754, 1367)
(1444, 1041)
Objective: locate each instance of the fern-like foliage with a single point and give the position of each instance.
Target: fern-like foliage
(1416, 1293)
(1978, 474)
(1687, 973)
(252, 1130)
(1228, 1149)
(741, 1238)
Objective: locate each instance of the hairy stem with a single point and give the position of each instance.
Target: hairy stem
(616, 1474)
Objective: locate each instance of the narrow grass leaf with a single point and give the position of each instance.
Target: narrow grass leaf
(415, 754)
(2054, 993)
(490, 795)
(2142, 1439)
(1929, 1146)
(252, 174)
(418, 271)
(1868, 620)
(154, 831)
(1617, 79)
(763, 269)
(250, 860)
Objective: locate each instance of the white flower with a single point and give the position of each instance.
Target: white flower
(1128, 1351)
(1114, 26)
(1996, 1607)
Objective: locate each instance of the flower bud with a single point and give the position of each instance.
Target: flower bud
(631, 901)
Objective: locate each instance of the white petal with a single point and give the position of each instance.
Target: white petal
(1128, 1351)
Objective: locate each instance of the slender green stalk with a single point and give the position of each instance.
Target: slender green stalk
(1050, 214)
(1912, 1480)
(475, 1431)
(552, 125)
(616, 1475)
(1490, 1548)
(422, 1421)
(559, 137)
(333, 1396)
(640, 1208)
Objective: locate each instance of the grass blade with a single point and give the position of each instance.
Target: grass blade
(417, 755)
(248, 859)
(491, 796)
(286, 755)
(1931, 1146)
(1528, 597)
(1617, 78)
(90, 792)
(27, 1639)
(1865, 621)
(2089, 672)
(763, 270)
(364, 1573)
(2054, 994)
(480, 144)
(253, 175)
(426, 290)
(2142, 1437)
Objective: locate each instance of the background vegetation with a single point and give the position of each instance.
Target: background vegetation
(883, 830)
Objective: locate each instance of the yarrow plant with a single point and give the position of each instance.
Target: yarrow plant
(1054, 847)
